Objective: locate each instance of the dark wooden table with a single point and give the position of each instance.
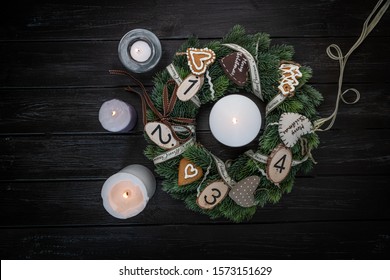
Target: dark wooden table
(55, 156)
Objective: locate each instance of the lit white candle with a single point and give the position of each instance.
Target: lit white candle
(235, 120)
(140, 51)
(117, 116)
(126, 193)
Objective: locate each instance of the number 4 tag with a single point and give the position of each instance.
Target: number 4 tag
(279, 164)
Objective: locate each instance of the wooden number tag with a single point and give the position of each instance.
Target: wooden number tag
(212, 195)
(160, 134)
(279, 164)
(189, 87)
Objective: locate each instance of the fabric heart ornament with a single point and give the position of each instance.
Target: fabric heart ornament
(292, 126)
(243, 192)
(236, 67)
(199, 59)
(188, 172)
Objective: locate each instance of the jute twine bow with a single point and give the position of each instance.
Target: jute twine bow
(168, 106)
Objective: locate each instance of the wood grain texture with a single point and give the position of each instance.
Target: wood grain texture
(76, 110)
(55, 156)
(90, 156)
(173, 19)
(316, 240)
(78, 203)
(86, 63)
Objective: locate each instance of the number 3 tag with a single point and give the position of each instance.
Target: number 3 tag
(212, 195)
(279, 164)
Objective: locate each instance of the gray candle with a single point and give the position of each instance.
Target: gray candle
(117, 116)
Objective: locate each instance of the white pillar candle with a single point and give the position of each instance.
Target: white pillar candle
(126, 193)
(117, 116)
(235, 120)
(140, 51)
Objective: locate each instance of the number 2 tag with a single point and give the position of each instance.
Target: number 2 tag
(279, 164)
(189, 87)
(212, 195)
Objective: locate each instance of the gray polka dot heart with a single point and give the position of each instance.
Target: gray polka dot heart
(243, 192)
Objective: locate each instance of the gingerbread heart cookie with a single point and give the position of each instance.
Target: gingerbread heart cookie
(199, 59)
(188, 172)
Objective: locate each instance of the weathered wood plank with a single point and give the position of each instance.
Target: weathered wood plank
(177, 19)
(344, 152)
(78, 203)
(40, 111)
(323, 240)
(86, 64)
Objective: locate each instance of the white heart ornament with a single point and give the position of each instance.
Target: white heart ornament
(190, 171)
(189, 87)
(292, 126)
(161, 134)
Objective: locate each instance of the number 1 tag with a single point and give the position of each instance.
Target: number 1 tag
(189, 87)
(279, 164)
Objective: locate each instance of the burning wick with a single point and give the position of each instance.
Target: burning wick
(235, 121)
(125, 194)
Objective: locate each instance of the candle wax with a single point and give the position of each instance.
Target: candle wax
(125, 196)
(140, 51)
(126, 193)
(235, 120)
(117, 116)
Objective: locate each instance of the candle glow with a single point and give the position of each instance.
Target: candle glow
(126, 193)
(235, 120)
(117, 116)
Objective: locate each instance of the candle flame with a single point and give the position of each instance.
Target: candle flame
(137, 50)
(234, 120)
(113, 113)
(125, 194)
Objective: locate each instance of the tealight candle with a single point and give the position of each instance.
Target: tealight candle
(126, 193)
(235, 120)
(117, 116)
(139, 50)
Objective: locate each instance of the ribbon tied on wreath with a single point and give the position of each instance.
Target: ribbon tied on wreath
(165, 128)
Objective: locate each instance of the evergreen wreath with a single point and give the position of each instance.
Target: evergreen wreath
(170, 116)
(233, 190)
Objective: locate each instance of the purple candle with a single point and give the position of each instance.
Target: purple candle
(117, 116)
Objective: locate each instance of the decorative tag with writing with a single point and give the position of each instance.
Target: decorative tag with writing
(188, 172)
(243, 191)
(189, 87)
(161, 134)
(279, 164)
(292, 126)
(236, 67)
(212, 195)
(199, 59)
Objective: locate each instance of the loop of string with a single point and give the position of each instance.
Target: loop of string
(168, 106)
(335, 53)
